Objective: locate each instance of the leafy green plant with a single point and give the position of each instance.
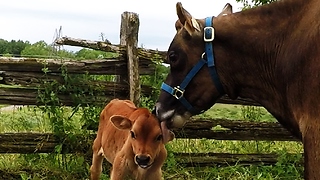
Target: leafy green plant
(251, 3)
(251, 113)
(62, 119)
(155, 82)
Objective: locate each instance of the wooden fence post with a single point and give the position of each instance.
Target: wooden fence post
(129, 38)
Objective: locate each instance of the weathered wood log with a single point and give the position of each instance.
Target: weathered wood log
(32, 79)
(123, 37)
(130, 33)
(96, 45)
(103, 93)
(26, 143)
(104, 67)
(234, 130)
(45, 142)
(227, 159)
(28, 96)
(237, 130)
(108, 47)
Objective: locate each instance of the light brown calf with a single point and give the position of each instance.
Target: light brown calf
(130, 139)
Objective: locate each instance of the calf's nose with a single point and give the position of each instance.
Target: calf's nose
(142, 160)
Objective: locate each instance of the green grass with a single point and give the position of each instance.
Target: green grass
(238, 112)
(76, 166)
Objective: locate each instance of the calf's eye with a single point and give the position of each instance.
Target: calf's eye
(133, 136)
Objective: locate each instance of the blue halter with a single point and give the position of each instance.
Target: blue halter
(207, 58)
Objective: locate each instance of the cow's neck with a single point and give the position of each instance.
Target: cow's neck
(247, 45)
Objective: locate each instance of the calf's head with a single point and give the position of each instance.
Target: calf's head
(184, 53)
(145, 135)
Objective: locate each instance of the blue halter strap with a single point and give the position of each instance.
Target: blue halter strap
(207, 58)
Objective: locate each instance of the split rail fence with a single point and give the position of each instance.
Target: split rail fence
(128, 65)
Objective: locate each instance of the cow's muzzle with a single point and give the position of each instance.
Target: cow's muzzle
(172, 118)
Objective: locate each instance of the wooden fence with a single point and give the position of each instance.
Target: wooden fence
(131, 62)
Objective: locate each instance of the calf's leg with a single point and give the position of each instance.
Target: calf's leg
(118, 171)
(97, 159)
(96, 167)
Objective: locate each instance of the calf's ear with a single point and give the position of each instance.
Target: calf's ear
(129, 104)
(226, 10)
(185, 18)
(121, 122)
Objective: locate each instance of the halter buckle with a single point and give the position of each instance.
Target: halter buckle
(177, 92)
(208, 34)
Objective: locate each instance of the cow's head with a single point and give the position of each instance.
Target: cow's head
(145, 135)
(183, 55)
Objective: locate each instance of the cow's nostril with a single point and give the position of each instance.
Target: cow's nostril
(156, 109)
(142, 160)
(162, 115)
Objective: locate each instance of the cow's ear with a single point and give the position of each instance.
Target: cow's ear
(121, 122)
(178, 25)
(226, 10)
(185, 18)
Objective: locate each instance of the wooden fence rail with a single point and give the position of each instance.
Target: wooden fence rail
(228, 159)
(109, 66)
(25, 143)
(197, 129)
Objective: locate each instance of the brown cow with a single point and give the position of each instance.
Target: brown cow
(270, 54)
(130, 139)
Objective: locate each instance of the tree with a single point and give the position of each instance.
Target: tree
(3, 46)
(249, 3)
(13, 47)
(16, 47)
(40, 48)
(93, 54)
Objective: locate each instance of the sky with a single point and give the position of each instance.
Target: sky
(35, 20)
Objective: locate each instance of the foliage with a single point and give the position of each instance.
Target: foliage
(251, 113)
(155, 82)
(249, 3)
(79, 89)
(13, 47)
(93, 54)
(62, 120)
(42, 49)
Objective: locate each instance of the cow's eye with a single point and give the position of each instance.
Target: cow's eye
(159, 138)
(173, 57)
(133, 136)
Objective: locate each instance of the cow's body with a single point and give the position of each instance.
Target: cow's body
(270, 54)
(130, 139)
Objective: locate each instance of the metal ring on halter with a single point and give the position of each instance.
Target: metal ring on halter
(203, 54)
(177, 92)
